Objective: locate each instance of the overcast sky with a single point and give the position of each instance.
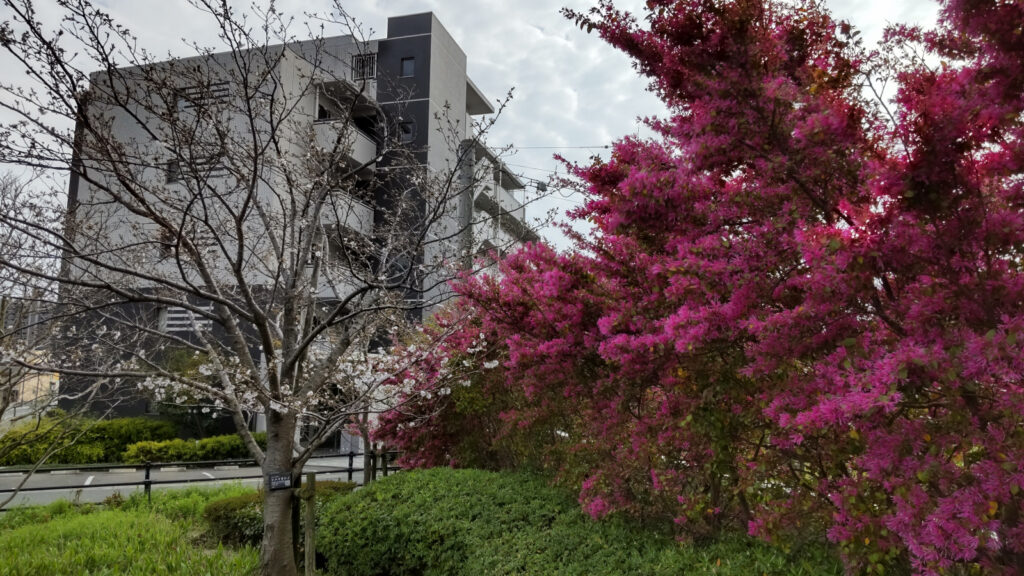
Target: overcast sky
(573, 93)
(571, 89)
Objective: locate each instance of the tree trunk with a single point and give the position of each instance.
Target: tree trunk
(277, 557)
(369, 462)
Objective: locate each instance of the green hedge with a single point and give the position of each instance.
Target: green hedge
(117, 434)
(94, 441)
(472, 522)
(238, 520)
(224, 447)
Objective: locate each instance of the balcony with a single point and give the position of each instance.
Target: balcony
(348, 212)
(502, 205)
(338, 289)
(357, 145)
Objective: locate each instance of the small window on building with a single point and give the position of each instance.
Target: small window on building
(173, 171)
(364, 66)
(178, 320)
(406, 132)
(203, 95)
(207, 165)
(408, 67)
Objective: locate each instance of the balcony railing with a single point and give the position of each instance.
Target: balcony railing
(509, 212)
(358, 145)
(500, 202)
(347, 211)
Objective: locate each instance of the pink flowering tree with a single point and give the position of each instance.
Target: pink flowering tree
(454, 405)
(800, 306)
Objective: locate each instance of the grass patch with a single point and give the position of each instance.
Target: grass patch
(13, 518)
(186, 503)
(129, 536)
(114, 542)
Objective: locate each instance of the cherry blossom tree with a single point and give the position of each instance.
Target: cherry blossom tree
(250, 212)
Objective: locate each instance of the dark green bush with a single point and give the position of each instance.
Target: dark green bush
(16, 452)
(229, 446)
(330, 489)
(176, 450)
(117, 434)
(78, 440)
(221, 448)
(472, 522)
(236, 520)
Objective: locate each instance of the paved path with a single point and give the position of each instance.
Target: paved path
(92, 485)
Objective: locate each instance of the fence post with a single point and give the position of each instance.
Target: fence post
(384, 462)
(351, 463)
(148, 484)
(310, 497)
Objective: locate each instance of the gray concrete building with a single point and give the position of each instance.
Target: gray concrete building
(394, 117)
(410, 87)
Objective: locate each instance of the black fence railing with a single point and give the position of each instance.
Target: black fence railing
(380, 463)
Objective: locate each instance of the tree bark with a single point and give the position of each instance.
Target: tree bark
(277, 557)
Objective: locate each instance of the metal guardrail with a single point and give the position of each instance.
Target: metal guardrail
(381, 464)
(123, 465)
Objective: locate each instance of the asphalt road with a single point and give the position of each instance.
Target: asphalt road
(94, 485)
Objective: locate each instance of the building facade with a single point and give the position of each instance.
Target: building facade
(182, 164)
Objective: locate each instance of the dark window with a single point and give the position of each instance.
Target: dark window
(364, 66)
(173, 171)
(177, 319)
(407, 132)
(408, 66)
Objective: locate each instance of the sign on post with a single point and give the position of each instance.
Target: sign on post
(279, 482)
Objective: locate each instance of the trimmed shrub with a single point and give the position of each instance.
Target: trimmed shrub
(23, 454)
(176, 450)
(117, 434)
(471, 522)
(236, 520)
(224, 447)
(94, 441)
(330, 489)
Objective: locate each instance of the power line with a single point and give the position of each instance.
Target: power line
(602, 146)
(548, 170)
